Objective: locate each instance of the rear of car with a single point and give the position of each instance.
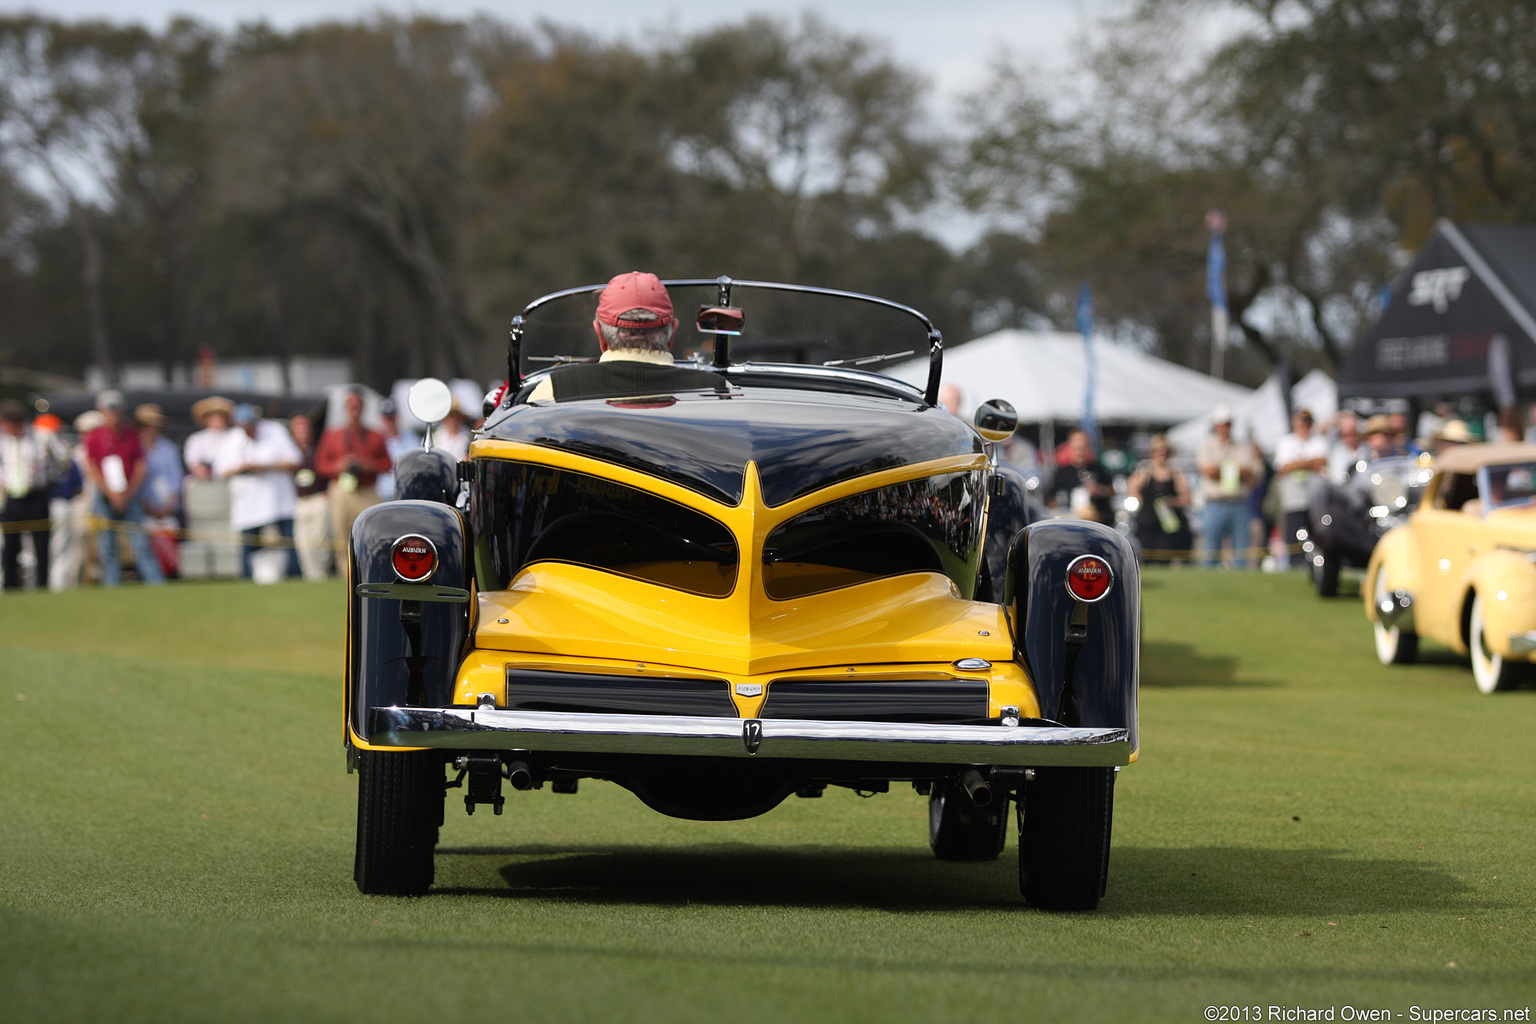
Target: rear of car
(724, 598)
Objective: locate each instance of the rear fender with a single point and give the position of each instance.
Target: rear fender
(427, 475)
(1105, 674)
(385, 664)
(1010, 509)
(1506, 581)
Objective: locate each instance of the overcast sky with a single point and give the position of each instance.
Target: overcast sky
(950, 43)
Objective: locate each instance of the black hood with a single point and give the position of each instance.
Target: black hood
(800, 441)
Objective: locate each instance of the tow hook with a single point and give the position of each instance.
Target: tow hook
(484, 782)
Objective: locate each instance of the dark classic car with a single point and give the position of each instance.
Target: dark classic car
(1345, 520)
(763, 579)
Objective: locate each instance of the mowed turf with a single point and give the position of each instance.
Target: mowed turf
(1305, 828)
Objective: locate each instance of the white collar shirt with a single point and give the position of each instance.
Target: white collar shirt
(259, 497)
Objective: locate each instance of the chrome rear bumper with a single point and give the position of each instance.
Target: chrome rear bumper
(894, 742)
(1396, 609)
(1522, 643)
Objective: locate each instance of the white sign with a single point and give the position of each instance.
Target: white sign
(1439, 288)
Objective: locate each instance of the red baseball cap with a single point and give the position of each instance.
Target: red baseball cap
(631, 291)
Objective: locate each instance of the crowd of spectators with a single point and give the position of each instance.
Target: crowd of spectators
(1230, 504)
(119, 480)
(115, 481)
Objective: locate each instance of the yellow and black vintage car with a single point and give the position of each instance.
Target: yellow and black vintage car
(779, 572)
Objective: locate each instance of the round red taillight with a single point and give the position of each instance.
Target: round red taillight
(1089, 577)
(413, 558)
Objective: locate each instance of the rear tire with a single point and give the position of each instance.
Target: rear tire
(1492, 672)
(399, 810)
(1325, 574)
(1064, 826)
(959, 830)
(1394, 645)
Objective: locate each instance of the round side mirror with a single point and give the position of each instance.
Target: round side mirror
(996, 420)
(430, 400)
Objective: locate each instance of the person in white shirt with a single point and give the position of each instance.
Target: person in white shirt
(258, 459)
(202, 448)
(1299, 457)
(397, 442)
(31, 461)
(1229, 470)
(1345, 453)
(452, 435)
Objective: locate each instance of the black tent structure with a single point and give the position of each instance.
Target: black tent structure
(1463, 322)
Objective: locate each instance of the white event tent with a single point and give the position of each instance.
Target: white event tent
(1043, 375)
(1261, 417)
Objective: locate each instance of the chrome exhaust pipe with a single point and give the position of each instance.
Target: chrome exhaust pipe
(520, 775)
(976, 787)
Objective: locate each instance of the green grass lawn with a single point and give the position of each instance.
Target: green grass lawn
(1305, 828)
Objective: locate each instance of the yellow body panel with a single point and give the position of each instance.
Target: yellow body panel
(564, 617)
(553, 608)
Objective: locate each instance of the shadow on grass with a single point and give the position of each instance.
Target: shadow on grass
(1223, 880)
(804, 876)
(1164, 663)
(1144, 881)
(1437, 655)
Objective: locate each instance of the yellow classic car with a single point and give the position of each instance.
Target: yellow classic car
(1462, 570)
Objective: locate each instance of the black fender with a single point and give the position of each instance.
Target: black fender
(427, 476)
(1094, 685)
(392, 656)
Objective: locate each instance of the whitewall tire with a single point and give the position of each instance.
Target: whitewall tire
(1394, 645)
(1492, 672)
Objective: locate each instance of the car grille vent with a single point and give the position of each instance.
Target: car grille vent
(593, 693)
(940, 702)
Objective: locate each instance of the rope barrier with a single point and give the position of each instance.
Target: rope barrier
(99, 523)
(1194, 554)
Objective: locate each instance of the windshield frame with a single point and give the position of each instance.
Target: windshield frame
(725, 285)
(1485, 484)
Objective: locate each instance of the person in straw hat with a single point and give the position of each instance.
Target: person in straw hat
(162, 485)
(1450, 434)
(202, 448)
(1381, 438)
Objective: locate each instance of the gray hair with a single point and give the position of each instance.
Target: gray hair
(651, 339)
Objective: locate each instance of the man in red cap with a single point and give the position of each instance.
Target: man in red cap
(634, 325)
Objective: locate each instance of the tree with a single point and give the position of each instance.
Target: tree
(67, 118)
(1333, 133)
(164, 244)
(762, 150)
(364, 127)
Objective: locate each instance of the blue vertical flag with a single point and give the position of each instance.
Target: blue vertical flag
(1216, 286)
(1085, 325)
(1216, 271)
